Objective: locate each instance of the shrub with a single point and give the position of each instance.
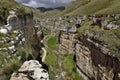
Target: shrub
(10, 67)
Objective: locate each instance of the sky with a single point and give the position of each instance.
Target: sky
(44, 3)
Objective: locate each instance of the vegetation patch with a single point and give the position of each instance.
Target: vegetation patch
(90, 7)
(111, 38)
(51, 61)
(69, 66)
(52, 43)
(10, 67)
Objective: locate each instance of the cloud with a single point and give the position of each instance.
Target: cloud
(44, 3)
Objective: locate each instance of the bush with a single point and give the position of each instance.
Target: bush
(10, 67)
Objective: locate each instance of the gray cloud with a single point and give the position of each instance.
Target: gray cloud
(44, 3)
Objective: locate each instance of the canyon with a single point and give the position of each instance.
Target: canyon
(69, 47)
(94, 60)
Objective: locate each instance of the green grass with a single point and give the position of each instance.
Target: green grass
(7, 5)
(112, 40)
(82, 7)
(1, 35)
(51, 61)
(10, 67)
(9, 63)
(52, 43)
(50, 14)
(69, 66)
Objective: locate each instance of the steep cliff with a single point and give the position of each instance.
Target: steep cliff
(23, 22)
(93, 64)
(66, 42)
(96, 51)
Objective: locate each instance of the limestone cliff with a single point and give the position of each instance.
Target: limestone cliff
(22, 22)
(66, 41)
(92, 61)
(93, 64)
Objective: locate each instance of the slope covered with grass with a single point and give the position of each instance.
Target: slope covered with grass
(90, 7)
(7, 5)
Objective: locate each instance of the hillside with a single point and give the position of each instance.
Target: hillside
(7, 5)
(89, 7)
(11, 4)
(13, 42)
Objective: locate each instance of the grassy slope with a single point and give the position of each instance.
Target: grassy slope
(81, 7)
(52, 43)
(110, 37)
(68, 61)
(7, 5)
(50, 13)
(11, 4)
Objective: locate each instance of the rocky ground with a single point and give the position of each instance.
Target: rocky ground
(30, 70)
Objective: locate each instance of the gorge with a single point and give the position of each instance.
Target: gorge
(66, 46)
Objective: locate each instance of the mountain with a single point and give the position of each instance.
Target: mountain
(89, 7)
(43, 9)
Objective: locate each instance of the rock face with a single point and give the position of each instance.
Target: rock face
(12, 20)
(31, 70)
(93, 64)
(93, 61)
(66, 42)
(22, 22)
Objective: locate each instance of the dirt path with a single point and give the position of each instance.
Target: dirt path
(44, 54)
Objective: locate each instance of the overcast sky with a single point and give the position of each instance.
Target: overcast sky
(44, 3)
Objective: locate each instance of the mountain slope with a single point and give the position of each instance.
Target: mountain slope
(7, 5)
(82, 7)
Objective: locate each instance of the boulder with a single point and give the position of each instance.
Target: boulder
(3, 31)
(31, 70)
(8, 27)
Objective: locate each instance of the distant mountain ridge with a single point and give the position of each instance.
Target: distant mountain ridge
(43, 9)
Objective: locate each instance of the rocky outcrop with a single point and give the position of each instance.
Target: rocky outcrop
(12, 20)
(93, 60)
(31, 70)
(93, 64)
(22, 22)
(66, 42)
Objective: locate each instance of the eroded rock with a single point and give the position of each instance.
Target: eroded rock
(31, 70)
